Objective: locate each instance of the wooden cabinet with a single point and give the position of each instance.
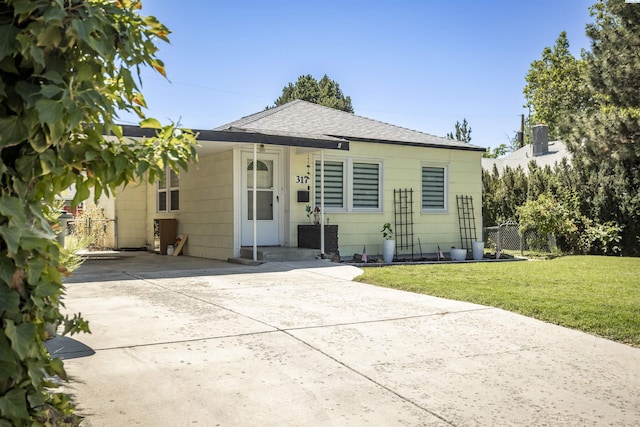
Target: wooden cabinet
(165, 233)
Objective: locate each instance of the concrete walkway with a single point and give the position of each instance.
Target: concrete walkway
(180, 341)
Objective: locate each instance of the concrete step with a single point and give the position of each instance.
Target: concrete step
(279, 254)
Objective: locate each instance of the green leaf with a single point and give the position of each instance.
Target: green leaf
(47, 161)
(35, 267)
(8, 366)
(54, 15)
(13, 209)
(11, 236)
(50, 36)
(25, 166)
(24, 6)
(7, 268)
(23, 338)
(9, 300)
(82, 193)
(13, 405)
(57, 366)
(150, 123)
(49, 111)
(50, 91)
(46, 289)
(37, 54)
(8, 35)
(12, 131)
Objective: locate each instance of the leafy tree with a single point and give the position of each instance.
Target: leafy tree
(65, 72)
(462, 132)
(605, 142)
(499, 151)
(324, 92)
(556, 87)
(547, 216)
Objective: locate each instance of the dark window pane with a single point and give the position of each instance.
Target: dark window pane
(175, 200)
(162, 201)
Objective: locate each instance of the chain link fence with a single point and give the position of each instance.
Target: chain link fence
(507, 236)
(101, 233)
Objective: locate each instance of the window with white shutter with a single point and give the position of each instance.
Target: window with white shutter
(434, 188)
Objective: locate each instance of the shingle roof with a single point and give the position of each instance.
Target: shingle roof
(521, 157)
(305, 118)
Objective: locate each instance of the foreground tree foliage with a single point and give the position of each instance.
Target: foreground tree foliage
(324, 92)
(66, 68)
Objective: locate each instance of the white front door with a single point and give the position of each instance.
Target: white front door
(267, 200)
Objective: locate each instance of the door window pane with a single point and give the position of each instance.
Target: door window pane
(264, 202)
(264, 177)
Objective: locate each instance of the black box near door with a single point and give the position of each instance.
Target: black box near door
(309, 237)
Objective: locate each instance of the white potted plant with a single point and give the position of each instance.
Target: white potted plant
(388, 244)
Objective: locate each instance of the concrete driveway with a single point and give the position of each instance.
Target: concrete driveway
(180, 341)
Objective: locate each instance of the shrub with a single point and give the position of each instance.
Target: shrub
(547, 216)
(602, 239)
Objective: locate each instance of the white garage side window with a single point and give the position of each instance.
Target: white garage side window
(168, 199)
(434, 188)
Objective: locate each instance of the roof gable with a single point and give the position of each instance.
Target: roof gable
(305, 118)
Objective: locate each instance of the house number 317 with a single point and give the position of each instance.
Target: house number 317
(302, 179)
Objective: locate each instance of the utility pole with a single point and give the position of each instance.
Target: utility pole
(521, 130)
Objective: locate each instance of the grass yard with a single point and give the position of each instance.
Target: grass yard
(598, 295)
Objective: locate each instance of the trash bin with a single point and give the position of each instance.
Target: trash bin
(63, 219)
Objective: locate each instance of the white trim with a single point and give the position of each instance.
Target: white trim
(237, 201)
(278, 191)
(444, 166)
(254, 193)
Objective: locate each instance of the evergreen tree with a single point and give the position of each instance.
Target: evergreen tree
(606, 142)
(462, 132)
(324, 92)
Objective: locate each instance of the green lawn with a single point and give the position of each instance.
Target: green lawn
(598, 295)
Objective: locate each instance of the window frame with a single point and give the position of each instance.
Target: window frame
(445, 190)
(168, 190)
(348, 187)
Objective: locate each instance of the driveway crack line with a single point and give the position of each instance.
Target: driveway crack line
(370, 379)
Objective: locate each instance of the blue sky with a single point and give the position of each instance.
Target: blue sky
(418, 64)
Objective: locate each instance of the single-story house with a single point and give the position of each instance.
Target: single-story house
(303, 158)
(541, 150)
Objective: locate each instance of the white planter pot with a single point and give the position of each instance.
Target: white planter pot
(478, 250)
(458, 254)
(388, 249)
